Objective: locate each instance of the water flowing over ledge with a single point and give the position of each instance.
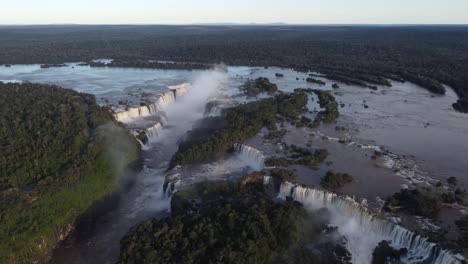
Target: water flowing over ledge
(253, 157)
(216, 106)
(153, 132)
(146, 122)
(364, 230)
(156, 104)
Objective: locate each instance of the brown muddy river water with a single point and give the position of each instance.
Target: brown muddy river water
(425, 139)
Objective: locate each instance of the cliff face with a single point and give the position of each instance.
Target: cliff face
(61, 153)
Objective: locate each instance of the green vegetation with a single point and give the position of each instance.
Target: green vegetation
(307, 158)
(312, 80)
(362, 55)
(462, 224)
(452, 180)
(334, 180)
(299, 156)
(417, 202)
(320, 244)
(423, 81)
(283, 175)
(61, 152)
(153, 65)
(278, 162)
(453, 197)
(330, 106)
(462, 104)
(384, 253)
(46, 66)
(227, 222)
(260, 85)
(213, 137)
(227, 226)
(276, 134)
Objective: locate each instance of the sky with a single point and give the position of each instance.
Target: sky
(234, 11)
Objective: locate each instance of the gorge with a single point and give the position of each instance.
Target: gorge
(163, 116)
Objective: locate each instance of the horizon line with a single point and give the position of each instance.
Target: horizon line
(238, 24)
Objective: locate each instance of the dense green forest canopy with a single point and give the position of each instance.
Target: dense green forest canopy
(237, 228)
(260, 85)
(148, 64)
(60, 152)
(213, 136)
(235, 222)
(362, 55)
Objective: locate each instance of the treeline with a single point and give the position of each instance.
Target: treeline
(153, 65)
(260, 85)
(229, 222)
(298, 155)
(423, 202)
(216, 135)
(59, 154)
(234, 228)
(330, 110)
(361, 55)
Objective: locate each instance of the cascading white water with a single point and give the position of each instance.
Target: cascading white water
(363, 230)
(157, 105)
(214, 111)
(130, 113)
(215, 106)
(180, 90)
(153, 132)
(253, 157)
(267, 180)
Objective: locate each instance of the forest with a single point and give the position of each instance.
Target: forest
(59, 155)
(215, 136)
(229, 222)
(234, 228)
(148, 64)
(363, 55)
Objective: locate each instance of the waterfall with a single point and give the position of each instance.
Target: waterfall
(153, 132)
(164, 100)
(364, 230)
(172, 180)
(180, 90)
(215, 106)
(267, 180)
(132, 113)
(214, 111)
(153, 106)
(253, 157)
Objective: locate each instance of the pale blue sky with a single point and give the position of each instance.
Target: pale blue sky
(239, 11)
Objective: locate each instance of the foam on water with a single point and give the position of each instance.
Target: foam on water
(401, 165)
(364, 230)
(253, 157)
(156, 105)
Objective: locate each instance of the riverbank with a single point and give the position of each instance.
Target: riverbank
(66, 153)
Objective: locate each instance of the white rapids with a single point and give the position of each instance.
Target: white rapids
(364, 230)
(156, 105)
(253, 157)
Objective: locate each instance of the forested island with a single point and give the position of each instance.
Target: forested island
(214, 136)
(61, 153)
(234, 222)
(362, 55)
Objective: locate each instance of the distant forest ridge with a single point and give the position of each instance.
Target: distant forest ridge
(365, 55)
